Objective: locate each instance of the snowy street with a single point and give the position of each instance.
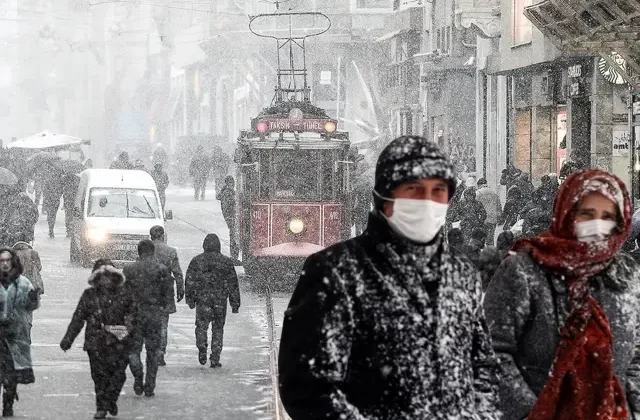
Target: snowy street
(241, 389)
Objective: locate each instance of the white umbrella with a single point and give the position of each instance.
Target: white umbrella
(46, 140)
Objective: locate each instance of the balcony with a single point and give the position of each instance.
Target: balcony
(482, 15)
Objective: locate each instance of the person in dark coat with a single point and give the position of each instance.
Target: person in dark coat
(199, 170)
(227, 197)
(52, 194)
(70, 184)
(512, 208)
(455, 239)
(472, 212)
(211, 281)
(563, 311)
(509, 176)
(122, 162)
(149, 282)
(20, 216)
(505, 241)
(167, 256)
(369, 332)
(162, 182)
(108, 312)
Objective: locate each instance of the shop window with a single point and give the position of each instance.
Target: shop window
(522, 149)
(522, 27)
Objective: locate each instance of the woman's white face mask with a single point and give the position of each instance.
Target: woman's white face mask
(417, 220)
(594, 230)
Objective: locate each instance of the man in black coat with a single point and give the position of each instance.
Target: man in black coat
(227, 197)
(199, 170)
(167, 256)
(389, 325)
(151, 286)
(211, 281)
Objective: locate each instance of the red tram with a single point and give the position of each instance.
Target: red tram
(294, 192)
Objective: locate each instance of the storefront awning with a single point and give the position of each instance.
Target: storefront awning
(591, 27)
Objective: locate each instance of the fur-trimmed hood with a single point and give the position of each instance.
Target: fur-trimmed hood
(115, 275)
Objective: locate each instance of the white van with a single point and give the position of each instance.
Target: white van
(114, 211)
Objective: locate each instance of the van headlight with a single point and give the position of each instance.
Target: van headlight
(97, 236)
(296, 226)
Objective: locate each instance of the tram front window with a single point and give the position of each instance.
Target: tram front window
(296, 175)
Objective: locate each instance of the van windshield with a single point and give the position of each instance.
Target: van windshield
(122, 203)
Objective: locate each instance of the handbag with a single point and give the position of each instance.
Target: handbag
(120, 332)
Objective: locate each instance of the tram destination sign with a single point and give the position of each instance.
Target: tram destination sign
(319, 125)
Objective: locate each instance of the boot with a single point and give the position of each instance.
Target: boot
(100, 414)
(161, 361)
(202, 357)
(113, 409)
(7, 404)
(138, 386)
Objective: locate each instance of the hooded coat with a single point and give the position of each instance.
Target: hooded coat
(15, 322)
(381, 329)
(211, 278)
(106, 302)
(31, 264)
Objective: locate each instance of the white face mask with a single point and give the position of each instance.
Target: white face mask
(417, 220)
(594, 230)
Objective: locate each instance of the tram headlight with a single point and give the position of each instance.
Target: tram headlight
(296, 226)
(330, 127)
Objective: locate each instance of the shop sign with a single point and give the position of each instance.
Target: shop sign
(575, 71)
(621, 143)
(610, 73)
(574, 89)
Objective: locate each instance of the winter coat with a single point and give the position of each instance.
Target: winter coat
(200, 167)
(99, 305)
(472, 215)
(15, 323)
(19, 219)
(491, 203)
(70, 191)
(227, 197)
(526, 307)
(211, 278)
(151, 285)
(32, 266)
(168, 256)
(635, 225)
(512, 208)
(381, 329)
(161, 178)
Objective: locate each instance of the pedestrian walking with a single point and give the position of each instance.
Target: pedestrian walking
(52, 194)
(107, 310)
(20, 216)
(150, 284)
(211, 281)
(388, 325)
(31, 264)
(563, 311)
(19, 299)
(199, 170)
(492, 206)
(455, 239)
(227, 197)
(167, 256)
(162, 182)
(512, 208)
(70, 184)
(472, 213)
(122, 162)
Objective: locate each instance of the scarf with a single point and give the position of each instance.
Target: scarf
(582, 384)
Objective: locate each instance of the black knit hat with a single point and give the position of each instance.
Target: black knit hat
(409, 158)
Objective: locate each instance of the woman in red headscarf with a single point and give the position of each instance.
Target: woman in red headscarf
(564, 310)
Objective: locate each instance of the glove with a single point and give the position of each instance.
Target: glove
(191, 303)
(65, 345)
(33, 295)
(181, 295)
(235, 310)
